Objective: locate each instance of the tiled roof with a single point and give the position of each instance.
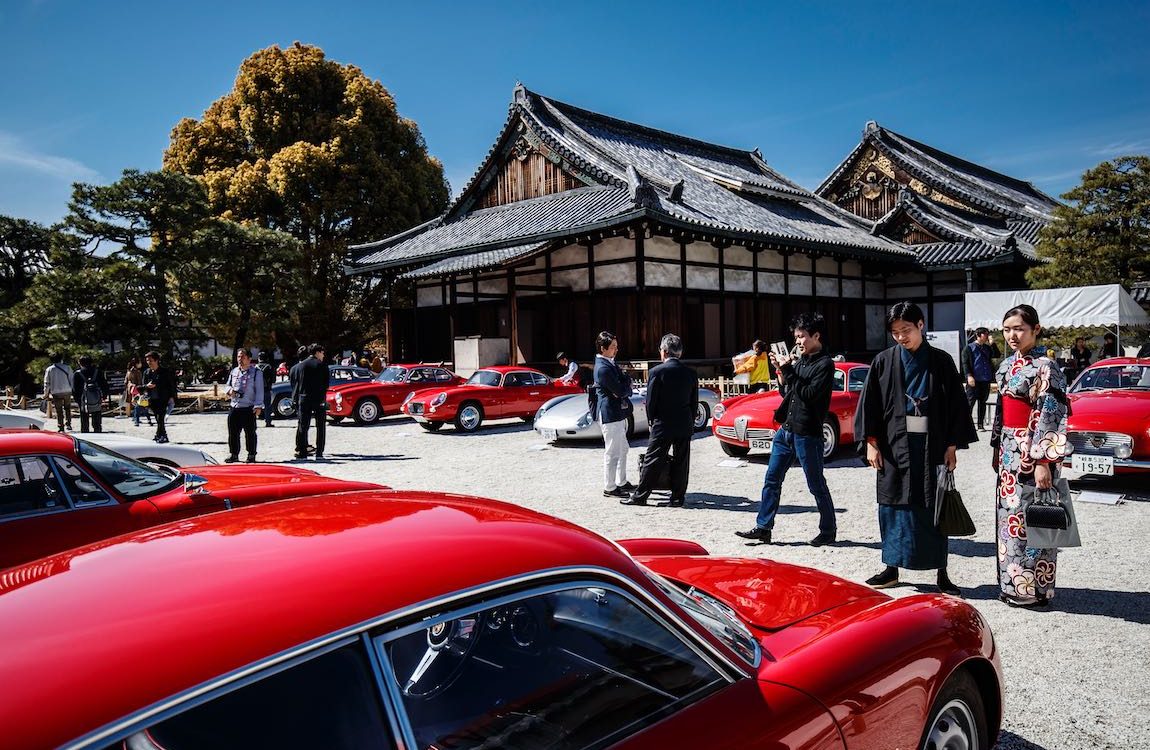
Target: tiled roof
(963, 228)
(937, 254)
(1140, 291)
(483, 260)
(641, 172)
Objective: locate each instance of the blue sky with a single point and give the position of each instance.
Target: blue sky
(1039, 90)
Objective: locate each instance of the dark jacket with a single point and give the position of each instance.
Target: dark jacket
(989, 351)
(806, 389)
(881, 414)
(165, 389)
(612, 387)
(81, 376)
(310, 386)
(672, 399)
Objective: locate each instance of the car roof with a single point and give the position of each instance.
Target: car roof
(1116, 361)
(18, 441)
(508, 368)
(130, 621)
(847, 366)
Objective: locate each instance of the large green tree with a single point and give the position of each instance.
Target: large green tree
(1102, 234)
(24, 252)
(317, 149)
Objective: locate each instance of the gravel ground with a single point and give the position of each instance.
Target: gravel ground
(1077, 676)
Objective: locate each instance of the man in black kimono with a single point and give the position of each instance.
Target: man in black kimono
(912, 417)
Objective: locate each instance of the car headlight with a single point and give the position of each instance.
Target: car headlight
(720, 410)
(409, 397)
(584, 421)
(339, 400)
(1123, 451)
(438, 400)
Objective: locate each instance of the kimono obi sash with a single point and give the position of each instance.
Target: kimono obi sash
(1015, 413)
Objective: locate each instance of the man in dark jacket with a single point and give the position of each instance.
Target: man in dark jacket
(268, 372)
(978, 367)
(308, 393)
(672, 401)
(806, 386)
(160, 384)
(89, 389)
(612, 406)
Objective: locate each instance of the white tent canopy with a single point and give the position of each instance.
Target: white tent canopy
(1108, 305)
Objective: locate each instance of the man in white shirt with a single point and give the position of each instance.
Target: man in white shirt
(572, 368)
(58, 388)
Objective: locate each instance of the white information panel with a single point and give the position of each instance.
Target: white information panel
(949, 341)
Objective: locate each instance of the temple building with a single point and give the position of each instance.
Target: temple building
(577, 222)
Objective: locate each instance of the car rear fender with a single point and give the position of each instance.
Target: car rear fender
(654, 547)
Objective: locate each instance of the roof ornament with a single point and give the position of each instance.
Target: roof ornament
(642, 192)
(871, 128)
(520, 94)
(677, 192)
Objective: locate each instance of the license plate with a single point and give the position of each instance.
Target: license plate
(763, 445)
(547, 434)
(1102, 465)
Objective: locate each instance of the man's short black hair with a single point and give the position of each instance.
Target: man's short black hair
(316, 348)
(907, 312)
(85, 361)
(980, 331)
(811, 322)
(560, 355)
(264, 357)
(57, 358)
(603, 340)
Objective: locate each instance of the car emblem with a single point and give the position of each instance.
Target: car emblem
(1097, 440)
(741, 427)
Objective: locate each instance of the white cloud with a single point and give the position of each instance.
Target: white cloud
(14, 152)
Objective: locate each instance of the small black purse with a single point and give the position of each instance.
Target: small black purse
(1046, 511)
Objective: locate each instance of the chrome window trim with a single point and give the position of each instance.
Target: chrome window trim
(69, 505)
(727, 665)
(111, 499)
(672, 625)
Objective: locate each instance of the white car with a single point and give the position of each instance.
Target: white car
(567, 417)
(159, 454)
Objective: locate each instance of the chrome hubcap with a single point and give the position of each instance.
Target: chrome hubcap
(286, 408)
(367, 411)
(469, 417)
(953, 729)
(828, 440)
(700, 416)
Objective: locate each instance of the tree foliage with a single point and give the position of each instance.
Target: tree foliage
(24, 253)
(316, 149)
(1102, 236)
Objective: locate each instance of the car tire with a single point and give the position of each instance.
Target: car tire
(469, 417)
(630, 426)
(529, 419)
(366, 411)
(336, 420)
(431, 426)
(738, 451)
(830, 438)
(958, 714)
(702, 415)
(283, 407)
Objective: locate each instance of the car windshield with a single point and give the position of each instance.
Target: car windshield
(1119, 377)
(392, 375)
(131, 478)
(484, 377)
(712, 614)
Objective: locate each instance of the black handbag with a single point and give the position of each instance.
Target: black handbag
(950, 514)
(1046, 511)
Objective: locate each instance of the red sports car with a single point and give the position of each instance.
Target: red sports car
(1109, 424)
(366, 402)
(58, 492)
(746, 423)
(490, 393)
(419, 620)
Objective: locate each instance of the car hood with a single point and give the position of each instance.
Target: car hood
(1109, 410)
(753, 404)
(248, 484)
(424, 392)
(768, 595)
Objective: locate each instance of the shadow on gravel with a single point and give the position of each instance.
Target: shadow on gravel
(333, 457)
(842, 461)
(1011, 741)
(971, 548)
(487, 429)
(1121, 605)
(720, 502)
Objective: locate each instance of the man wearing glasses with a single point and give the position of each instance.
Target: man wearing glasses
(246, 391)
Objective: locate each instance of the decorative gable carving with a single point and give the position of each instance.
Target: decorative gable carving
(529, 170)
(870, 187)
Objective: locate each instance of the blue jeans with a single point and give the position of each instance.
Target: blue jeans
(809, 450)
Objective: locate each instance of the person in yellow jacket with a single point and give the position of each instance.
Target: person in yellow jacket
(757, 366)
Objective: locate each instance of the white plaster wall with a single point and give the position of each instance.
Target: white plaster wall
(738, 256)
(950, 287)
(703, 278)
(575, 278)
(661, 247)
(662, 274)
(800, 286)
(771, 283)
(875, 289)
(770, 259)
(852, 289)
(702, 252)
(738, 281)
(429, 296)
(613, 248)
(828, 266)
(825, 287)
(852, 268)
(799, 263)
(569, 255)
(619, 276)
(494, 286)
(913, 293)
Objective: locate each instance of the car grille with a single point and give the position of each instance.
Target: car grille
(753, 433)
(1097, 443)
(415, 408)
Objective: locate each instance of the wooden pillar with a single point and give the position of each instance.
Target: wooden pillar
(513, 303)
(591, 310)
(640, 281)
(756, 306)
(452, 312)
(722, 299)
(683, 282)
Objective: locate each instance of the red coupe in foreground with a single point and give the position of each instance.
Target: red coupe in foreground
(1109, 423)
(58, 492)
(366, 402)
(490, 393)
(423, 621)
(746, 423)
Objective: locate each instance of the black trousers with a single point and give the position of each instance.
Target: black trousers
(979, 395)
(96, 419)
(268, 406)
(661, 451)
(241, 418)
(307, 413)
(159, 412)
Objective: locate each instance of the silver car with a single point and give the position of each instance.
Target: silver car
(568, 418)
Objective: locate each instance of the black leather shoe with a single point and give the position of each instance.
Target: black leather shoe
(677, 502)
(946, 586)
(627, 487)
(758, 533)
(299, 455)
(824, 537)
(231, 459)
(633, 499)
(884, 580)
(251, 458)
(617, 492)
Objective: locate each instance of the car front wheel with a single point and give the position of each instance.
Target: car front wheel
(283, 407)
(469, 417)
(702, 414)
(958, 717)
(366, 411)
(830, 439)
(431, 426)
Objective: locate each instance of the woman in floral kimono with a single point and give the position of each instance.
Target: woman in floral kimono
(1030, 443)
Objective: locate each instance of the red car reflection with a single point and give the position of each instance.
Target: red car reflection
(366, 402)
(490, 393)
(403, 619)
(746, 423)
(1109, 423)
(58, 492)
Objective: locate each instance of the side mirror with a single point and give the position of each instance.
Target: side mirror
(194, 484)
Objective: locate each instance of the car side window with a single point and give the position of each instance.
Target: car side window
(523, 673)
(857, 378)
(840, 381)
(442, 376)
(330, 702)
(27, 485)
(538, 378)
(513, 380)
(415, 376)
(81, 488)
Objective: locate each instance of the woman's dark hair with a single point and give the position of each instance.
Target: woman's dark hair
(134, 361)
(1028, 314)
(908, 312)
(603, 340)
(811, 322)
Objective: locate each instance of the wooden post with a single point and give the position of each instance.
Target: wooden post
(722, 388)
(514, 315)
